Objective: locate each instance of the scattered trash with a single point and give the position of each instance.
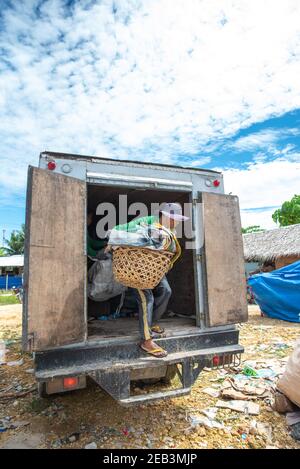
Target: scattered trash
(266, 373)
(253, 427)
(92, 445)
(280, 346)
(293, 417)
(56, 443)
(205, 422)
(295, 431)
(19, 424)
(211, 392)
(125, 431)
(240, 406)
(7, 425)
(2, 352)
(14, 396)
(238, 395)
(30, 370)
(244, 388)
(69, 439)
(211, 412)
(248, 371)
(16, 363)
(265, 429)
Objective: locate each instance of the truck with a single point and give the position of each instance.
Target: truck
(208, 281)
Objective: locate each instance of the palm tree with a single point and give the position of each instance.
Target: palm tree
(15, 245)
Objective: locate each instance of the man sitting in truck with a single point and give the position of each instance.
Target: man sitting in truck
(153, 303)
(94, 244)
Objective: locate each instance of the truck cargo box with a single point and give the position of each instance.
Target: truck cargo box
(208, 282)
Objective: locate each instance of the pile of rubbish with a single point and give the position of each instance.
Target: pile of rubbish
(243, 389)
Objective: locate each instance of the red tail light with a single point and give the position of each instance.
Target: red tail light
(216, 360)
(51, 165)
(70, 383)
(216, 183)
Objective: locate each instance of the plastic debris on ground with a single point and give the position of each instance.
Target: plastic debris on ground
(211, 392)
(92, 445)
(2, 352)
(262, 429)
(295, 431)
(248, 408)
(293, 417)
(16, 363)
(205, 422)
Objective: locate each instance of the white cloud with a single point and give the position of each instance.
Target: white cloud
(264, 139)
(262, 218)
(264, 185)
(151, 81)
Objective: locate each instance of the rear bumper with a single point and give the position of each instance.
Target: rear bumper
(126, 354)
(112, 364)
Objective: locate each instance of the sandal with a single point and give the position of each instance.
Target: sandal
(157, 329)
(157, 352)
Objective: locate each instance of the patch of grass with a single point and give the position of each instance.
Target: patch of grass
(8, 300)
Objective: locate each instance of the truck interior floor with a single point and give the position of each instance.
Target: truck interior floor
(129, 327)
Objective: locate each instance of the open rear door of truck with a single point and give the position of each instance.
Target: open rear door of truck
(54, 261)
(224, 260)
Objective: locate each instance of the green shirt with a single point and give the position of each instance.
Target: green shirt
(94, 245)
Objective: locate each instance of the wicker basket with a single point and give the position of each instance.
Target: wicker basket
(139, 267)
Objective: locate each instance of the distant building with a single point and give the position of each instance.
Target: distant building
(280, 245)
(12, 265)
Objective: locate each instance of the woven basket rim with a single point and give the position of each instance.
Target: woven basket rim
(146, 250)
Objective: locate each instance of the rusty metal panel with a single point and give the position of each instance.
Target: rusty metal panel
(224, 260)
(55, 263)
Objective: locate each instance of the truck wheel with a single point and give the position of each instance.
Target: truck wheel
(41, 387)
(170, 374)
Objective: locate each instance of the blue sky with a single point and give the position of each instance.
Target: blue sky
(202, 83)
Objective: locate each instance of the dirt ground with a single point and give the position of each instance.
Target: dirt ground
(76, 419)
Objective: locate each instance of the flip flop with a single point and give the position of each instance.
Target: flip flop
(157, 329)
(154, 352)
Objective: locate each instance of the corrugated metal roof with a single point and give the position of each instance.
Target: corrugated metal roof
(12, 261)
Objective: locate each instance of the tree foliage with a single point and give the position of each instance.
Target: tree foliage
(289, 213)
(15, 245)
(252, 229)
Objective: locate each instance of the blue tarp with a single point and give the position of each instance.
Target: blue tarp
(278, 292)
(13, 281)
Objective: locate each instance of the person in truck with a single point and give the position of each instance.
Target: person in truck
(153, 303)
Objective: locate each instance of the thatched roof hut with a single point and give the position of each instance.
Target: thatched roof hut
(281, 245)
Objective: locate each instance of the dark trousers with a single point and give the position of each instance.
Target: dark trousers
(152, 304)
